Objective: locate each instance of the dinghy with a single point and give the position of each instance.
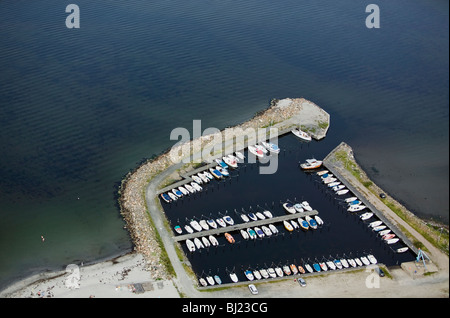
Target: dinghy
(388, 236)
(166, 197)
(402, 250)
(259, 232)
(252, 216)
(375, 224)
(234, 277)
(205, 241)
(365, 260)
(351, 199)
(287, 270)
(273, 229)
(203, 282)
(217, 279)
(372, 259)
(172, 196)
(260, 216)
(197, 179)
(196, 186)
(231, 162)
(221, 163)
(188, 229)
(204, 225)
(190, 245)
(189, 188)
(295, 224)
(344, 262)
(323, 172)
(358, 261)
(198, 243)
(215, 173)
(352, 262)
(245, 218)
(239, 155)
(229, 238)
(266, 230)
(223, 171)
(279, 272)
(213, 240)
(244, 235)
(272, 272)
(338, 187)
(331, 265)
(309, 268)
(384, 232)
(293, 269)
(316, 267)
(392, 241)
(366, 216)
(337, 263)
(379, 228)
(257, 274)
(177, 192)
(342, 192)
(194, 224)
(301, 270)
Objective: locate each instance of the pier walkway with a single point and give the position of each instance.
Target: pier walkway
(241, 226)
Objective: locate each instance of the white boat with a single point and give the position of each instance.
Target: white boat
(322, 172)
(352, 262)
(212, 223)
(344, 262)
(338, 188)
(379, 228)
(303, 224)
(273, 229)
(289, 207)
(298, 207)
(221, 222)
(358, 261)
(342, 192)
(257, 274)
(177, 192)
(230, 162)
(257, 152)
(203, 282)
(402, 249)
(264, 273)
(372, 259)
(259, 232)
(208, 175)
(206, 242)
(375, 223)
(190, 245)
(196, 186)
(279, 271)
(271, 272)
(260, 216)
(244, 235)
(323, 266)
(204, 225)
(329, 180)
(252, 216)
(249, 275)
(210, 280)
(223, 171)
(239, 155)
(188, 229)
(318, 220)
(392, 240)
(221, 163)
(337, 263)
(271, 147)
(384, 232)
(234, 277)
(183, 190)
(216, 173)
(194, 224)
(190, 188)
(351, 199)
(333, 184)
(228, 220)
(356, 208)
(198, 243)
(331, 265)
(309, 268)
(311, 222)
(301, 134)
(306, 206)
(268, 214)
(203, 177)
(287, 270)
(213, 240)
(288, 226)
(366, 216)
(365, 260)
(295, 224)
(197, 179)
(245, 218)
(311, 164)
(262, 148)
(266, 230)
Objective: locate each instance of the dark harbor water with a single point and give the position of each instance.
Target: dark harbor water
(246, 190)
(79, 108)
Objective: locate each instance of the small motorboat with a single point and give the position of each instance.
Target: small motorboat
(311, 164)
(178, 229)
(196, 186)
(311, 222)
(257, 274)
(188, 229)
(264, 273)
(342, 192)
(301, 134)
(295, 224)
(231, 162)
(289, 207)
(203, 177)
(326, 175)
(279, 271)
(301, 270)
(223, 171)
(252, 216)
(392, 240)
(244, 235)
(239, 155)
(402, 249)
(375, 223)
(372, 259)
(245, 218)
(306, 206)
(221, 163)
(183, 190)
(272, 272)
(228, 220)
(204, 225)
(216, 173)
(329, 180)
(206, 242)
(352, 262)
(333, 184)
(288, 226)
(229, 238)
(309, 268)
(388, 236)
(260, 216)
(177, 192)
(268, 214)
(293, 269)
(190, 245)
(213, 240)
(273, 229)
(316, 267)
(190, 188)
(379, 228)
(172, 196)
(166, 197)
(303, 224)
(356, 208)
(287, 270)
(252, 233)
(358, 261)
(194, 224)
(262, 148)
(217, 279)
(344, 262)
(257, 152)
(266, 230)
(208, 175)
(355, 202)
(318, 220)
(366, 216)
(234, 277)
(202, 282)
(338, 187)
(271, 147)
(197, 179)
(322, 172)
(298, 207)
(212, 223)
(384, 232)
(249, 274)
(364, 260)
(351, 199)
(331, 265)
(337, 263)
(259, 232)
(198, 243)
(221, 222)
